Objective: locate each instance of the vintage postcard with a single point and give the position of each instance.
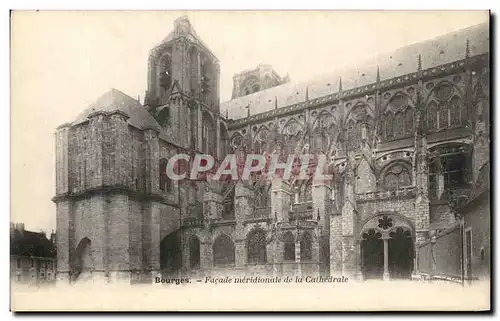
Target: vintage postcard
(250, 161)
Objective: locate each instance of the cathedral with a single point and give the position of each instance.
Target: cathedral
(405, 135)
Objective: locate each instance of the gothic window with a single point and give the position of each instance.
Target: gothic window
(404, 178)
(409, 121)
(352, 135)
(443, 115)
(306, 247)
(194, 68)
(256, 247)
(223, 250)
(455, 109)
(165, 72)
(209, 134)
(398, 118)
(289, 244)
(194, 252)
(446, 110)
(391, 182)
(399, 128)
(397, 176)
(389, 126)
(165, 182)
(432, 112)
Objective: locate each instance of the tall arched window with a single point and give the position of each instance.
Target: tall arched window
(256, 247)
(209, 134)
(194, 69)
(432, 111)
(223, 250)
(306, 247)
(165, 74)
(446, 108)
(389, 126)
(443, 115)
(164, 181)
(398, 118)
(409, 129)
(289, 244)
(194, 252)
(397, 176)
(455, 109)
(399, 132)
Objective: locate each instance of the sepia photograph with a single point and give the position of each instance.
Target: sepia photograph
(192, 160)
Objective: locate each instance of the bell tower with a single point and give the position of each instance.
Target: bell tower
(183, 82)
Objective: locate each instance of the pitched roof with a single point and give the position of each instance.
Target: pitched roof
(26, 243)
(115, 100)
(434, 52)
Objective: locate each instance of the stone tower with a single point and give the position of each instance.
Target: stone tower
(114, 203)
(183, 87)
(254, 80)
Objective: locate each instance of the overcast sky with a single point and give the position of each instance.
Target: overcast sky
(63, 61)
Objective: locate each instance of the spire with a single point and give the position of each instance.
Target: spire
(307, 93)
(340, 84)
(467, 49)
(275, 102)
(419, 66)
(378, 73)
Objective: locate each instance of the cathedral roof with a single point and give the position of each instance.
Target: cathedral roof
(115, 100)
(441, 50)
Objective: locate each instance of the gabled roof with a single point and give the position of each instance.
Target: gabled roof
(441, 50)
(115, 100)
(26, 243)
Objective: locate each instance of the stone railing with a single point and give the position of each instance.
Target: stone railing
(300, 224)
(259, 214)
(192, 221)
(405, 192)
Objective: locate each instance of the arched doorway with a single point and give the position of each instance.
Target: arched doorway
(387, 247)
(223, 250)
(170, 254)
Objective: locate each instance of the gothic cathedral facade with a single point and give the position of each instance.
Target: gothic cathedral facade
(405, 139)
